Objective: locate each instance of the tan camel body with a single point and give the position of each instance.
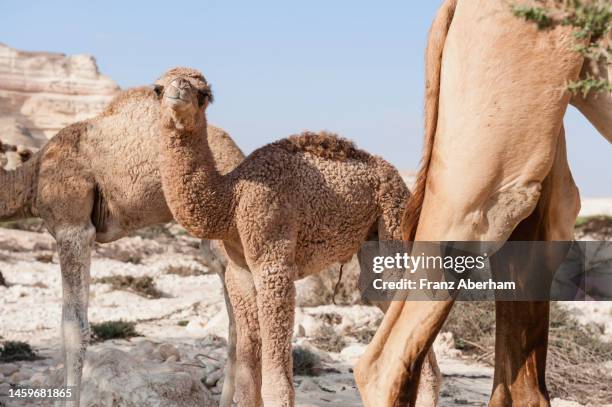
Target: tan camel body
(494, 168)
(290, 209)
(97, 180)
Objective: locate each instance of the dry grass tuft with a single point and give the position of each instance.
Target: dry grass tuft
(598, 227)
(13, 351)
(104, 331)
(30, 225)
(576, 356)
(183, 271)
(143, 286)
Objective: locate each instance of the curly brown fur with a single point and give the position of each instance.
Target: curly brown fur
(323, 144)
(125, 98)
(97, 180)
(292, 208)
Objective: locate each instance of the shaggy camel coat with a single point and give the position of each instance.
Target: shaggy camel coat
(494, 168)
(97, 180)
(290, 209)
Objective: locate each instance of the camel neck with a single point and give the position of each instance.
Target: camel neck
(193, 187)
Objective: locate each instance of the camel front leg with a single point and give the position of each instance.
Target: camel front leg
(247, 370)
(428, 392)
(276, 312)
(74, 246)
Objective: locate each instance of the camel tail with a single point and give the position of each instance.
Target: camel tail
(433, 67)
(18, 190)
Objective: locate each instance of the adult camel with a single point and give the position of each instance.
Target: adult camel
(494, 169)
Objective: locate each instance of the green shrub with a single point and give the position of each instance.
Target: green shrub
(305, 362)
(12, 351)
(104, 331)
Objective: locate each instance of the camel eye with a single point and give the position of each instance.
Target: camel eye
(202, 97)
(158, 89)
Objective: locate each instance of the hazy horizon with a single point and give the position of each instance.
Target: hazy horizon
(278, 68)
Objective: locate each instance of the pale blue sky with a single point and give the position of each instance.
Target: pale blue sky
(279, 67)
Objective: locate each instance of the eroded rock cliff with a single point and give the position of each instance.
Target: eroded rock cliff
(41, 92)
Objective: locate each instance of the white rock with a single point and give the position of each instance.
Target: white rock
(298, 331)
(167, 350)
(112, 377)
(218, 325)
(26, 372)
(8, 369)
(557, 402)
(17, 378)
(313, 327)
(38, 379)
(353, 351)
(172, 359)
(42, 92)
(214, 377)
(444, 345)
(309, 384)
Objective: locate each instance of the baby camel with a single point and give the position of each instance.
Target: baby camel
(98, 180)
(290, 209)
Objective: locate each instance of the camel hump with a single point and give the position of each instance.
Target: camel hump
(126, 98)
(323, 144)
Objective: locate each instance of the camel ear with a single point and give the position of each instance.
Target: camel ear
(158, 89)
(205, 97)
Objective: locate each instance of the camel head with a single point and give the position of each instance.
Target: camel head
(184, 95)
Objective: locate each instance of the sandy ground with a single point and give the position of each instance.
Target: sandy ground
(191, 317)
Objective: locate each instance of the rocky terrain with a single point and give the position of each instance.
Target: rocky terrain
(179, 357)
(179, 312)
(42, 92)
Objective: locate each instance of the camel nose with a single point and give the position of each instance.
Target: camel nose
(180, 83)
(178, 89)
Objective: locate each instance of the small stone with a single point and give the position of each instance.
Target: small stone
(26, 373)
(299, 331)
(218, 389)
(8, 369)
(167, 350)
(213, 378)
(210, 368)
(353, 351)
(309, 385)
(38, 379)
(16, 378)
(172, 358)
(4, 388)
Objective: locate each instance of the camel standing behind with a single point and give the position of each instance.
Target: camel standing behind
(289, 210)
(98, 180)
(494, 168)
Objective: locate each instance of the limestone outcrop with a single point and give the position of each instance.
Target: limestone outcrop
(42, 92)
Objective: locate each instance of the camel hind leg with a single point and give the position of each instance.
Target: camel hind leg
(74, 245)
(520, 365)
(66, 204)
(217, 261)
